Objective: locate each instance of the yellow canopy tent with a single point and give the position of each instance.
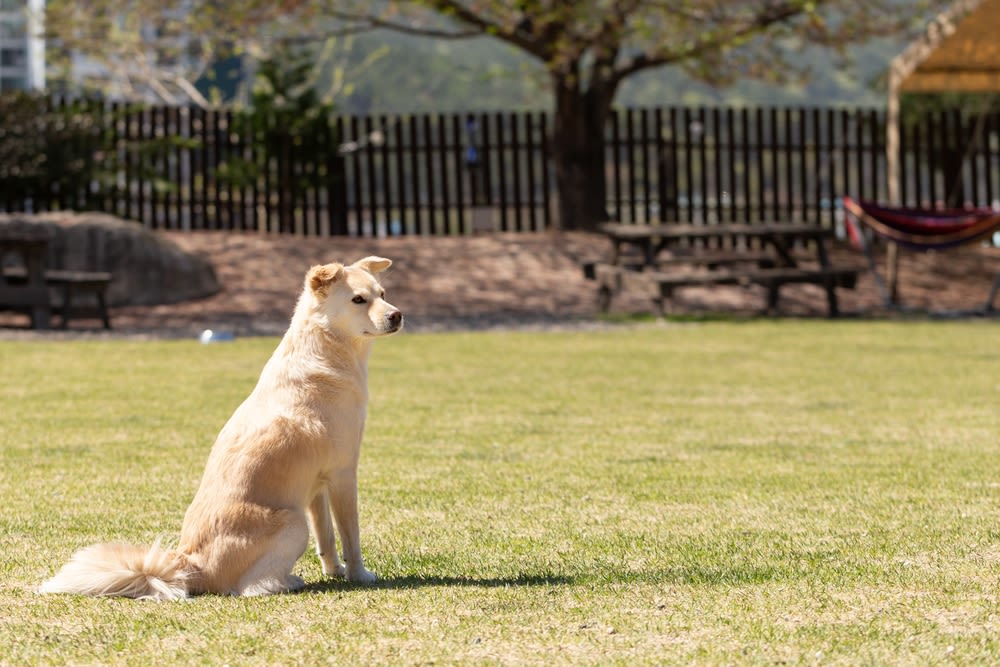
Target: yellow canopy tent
(959, 51)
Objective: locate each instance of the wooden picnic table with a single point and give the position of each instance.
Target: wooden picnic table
(756, 253)
(653, 239)
(28, 292)
(26, 284)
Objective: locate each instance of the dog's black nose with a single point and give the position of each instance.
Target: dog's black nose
(395, 317)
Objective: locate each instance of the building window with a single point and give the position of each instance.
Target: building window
(13, 30)
(13, 83)
(13, 58)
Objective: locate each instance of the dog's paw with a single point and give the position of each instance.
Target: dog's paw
(295, 583)
(335, 570)
(272, 586)
(360, 575)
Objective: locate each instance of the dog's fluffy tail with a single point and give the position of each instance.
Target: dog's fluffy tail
(123, 570)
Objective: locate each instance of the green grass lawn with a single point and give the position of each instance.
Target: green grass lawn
(769, 492)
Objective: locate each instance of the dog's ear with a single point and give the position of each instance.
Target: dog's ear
(373, 264)
(321, 277)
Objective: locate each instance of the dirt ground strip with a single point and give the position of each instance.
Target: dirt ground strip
(499, 281)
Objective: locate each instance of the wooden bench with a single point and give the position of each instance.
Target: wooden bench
(75, 289)
(711, 260)
(659, 286)
(717, 258)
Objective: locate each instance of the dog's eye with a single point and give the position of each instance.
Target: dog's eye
(358, 299)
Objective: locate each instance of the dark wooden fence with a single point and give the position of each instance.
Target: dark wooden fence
(190, 169)
(698, 164)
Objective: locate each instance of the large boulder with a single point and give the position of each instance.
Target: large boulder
(146, 268)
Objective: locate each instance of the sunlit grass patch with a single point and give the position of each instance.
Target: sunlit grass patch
(723, 492)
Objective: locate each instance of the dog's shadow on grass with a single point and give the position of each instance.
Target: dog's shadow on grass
(415, 581)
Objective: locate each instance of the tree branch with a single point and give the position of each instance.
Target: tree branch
(372, 22)
(519, 35)
(771, 14)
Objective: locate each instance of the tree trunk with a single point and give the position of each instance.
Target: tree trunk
(578, 155)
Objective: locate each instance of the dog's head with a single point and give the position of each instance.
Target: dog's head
(351, 298)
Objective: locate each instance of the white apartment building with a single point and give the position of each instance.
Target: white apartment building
(22, 48)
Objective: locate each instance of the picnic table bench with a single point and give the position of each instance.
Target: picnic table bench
(770, 261)
(27, 287)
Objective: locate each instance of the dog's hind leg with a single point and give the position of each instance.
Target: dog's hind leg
(344, 500)
(326, 540)
(272, 573)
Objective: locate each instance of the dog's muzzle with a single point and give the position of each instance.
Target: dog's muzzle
(394, 321)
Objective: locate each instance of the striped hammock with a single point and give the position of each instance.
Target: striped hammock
(918, 228)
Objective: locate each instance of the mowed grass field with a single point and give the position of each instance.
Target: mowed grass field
(768, 492)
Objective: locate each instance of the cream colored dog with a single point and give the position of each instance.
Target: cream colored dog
(287, 456)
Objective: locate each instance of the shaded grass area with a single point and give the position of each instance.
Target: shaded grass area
(727, 492)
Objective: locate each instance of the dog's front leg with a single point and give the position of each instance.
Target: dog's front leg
(326, 541)
(344, 500)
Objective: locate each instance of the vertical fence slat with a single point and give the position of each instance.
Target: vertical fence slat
(429, 175)
(832, 159)
(703, 170)
(312, 202)
(730, 124)
(336, 180)
(745, 162)
(204, 221)
(158, 172)
(401, 180)
(818, 168)
(775, 199)
(789, 159)
(112, 139)
(660, 155)
(647, 191)
(929, 135)
(128, 160)
(367, 153)
(972, 160)
(530, 156)
(630, 147)
(486, 160)
(443, 225)
(613, 149)
(142, 166)
(790, 162)
(799, 206)
(543, 124)
(501, 164)
(688, 165)
(172, 171)
(265, 200)
(845, 154)
(354, 158)
(415, 170)
(460, 171)
(877, 176)
(761, 177)
(988, 132)
(717, 152)
(187, 184)
(501, 169)
(672, 167)
(515, 144)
